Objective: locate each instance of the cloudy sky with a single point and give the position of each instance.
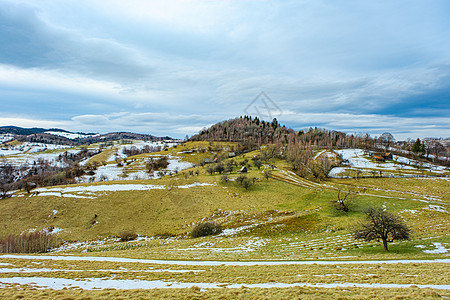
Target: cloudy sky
(174, 67)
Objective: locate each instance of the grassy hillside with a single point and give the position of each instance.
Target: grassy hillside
(284, 217)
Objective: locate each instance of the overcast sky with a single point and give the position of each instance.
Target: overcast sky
(174, 67)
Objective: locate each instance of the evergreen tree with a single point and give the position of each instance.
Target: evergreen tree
(418, 147)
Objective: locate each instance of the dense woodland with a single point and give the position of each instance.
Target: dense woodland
(255, 132)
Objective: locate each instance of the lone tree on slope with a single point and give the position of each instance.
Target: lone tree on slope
(345, 199)
(382, 225)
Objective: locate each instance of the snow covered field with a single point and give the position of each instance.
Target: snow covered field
(91, 191)
(30, 158)
(70, 135)
(31, 153)
(111, 172)
(356, 160)
(35, 147)
(6, 138)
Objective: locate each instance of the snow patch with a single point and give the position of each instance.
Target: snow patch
(71, 135)
(356, 159)
(188, 186)
(126, 284)
(219, 263)
(65, 192)
(436, 208)
(439, 249)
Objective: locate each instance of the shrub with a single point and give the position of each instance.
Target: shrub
(157, 164)
(210, 170)
(240, 178)
(219, 168)
(127, 235)
(206, 228)
(257, 163)
(30, 242)
(247, 182)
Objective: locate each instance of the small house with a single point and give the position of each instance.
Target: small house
(378, 158)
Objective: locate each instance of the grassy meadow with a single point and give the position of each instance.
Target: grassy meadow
(280, 218)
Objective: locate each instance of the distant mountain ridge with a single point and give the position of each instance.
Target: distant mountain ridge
(21, 131)
(64, 137)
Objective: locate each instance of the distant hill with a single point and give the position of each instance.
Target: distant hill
(64, 137)
(256, 132)
(21, 131)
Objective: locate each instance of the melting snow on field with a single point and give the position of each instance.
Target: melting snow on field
(112, 172)
(436, 208)
(6, 137)
(358, 160)
(138, 144)
(30, 158)
(33, 148)
(92, 189)
(71, 135)
(126, 284)
(439, 249)
(250, 245)
(220, 263)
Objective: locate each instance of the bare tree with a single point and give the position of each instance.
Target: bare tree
(4, 189)
(382, 225)
(344, 200)
(7, 175)
(387, 139)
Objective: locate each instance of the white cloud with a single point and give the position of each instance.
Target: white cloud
(28, 123)
(178, 65)
(41, 79)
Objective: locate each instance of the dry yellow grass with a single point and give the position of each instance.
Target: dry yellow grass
(409, 274)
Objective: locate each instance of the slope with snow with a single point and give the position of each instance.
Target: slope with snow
(71, 135)
(356, 159)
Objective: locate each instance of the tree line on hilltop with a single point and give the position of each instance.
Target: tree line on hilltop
(250, 133)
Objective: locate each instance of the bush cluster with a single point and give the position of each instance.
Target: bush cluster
(31, 242)
(206, 228)
(156, 164)
(127, 235)
(245, 182)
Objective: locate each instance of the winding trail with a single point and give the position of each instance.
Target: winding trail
(292, 178)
